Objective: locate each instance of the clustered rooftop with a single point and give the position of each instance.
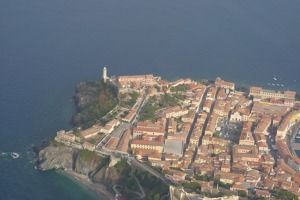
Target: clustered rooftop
(213, 130)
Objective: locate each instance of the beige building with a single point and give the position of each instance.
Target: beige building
(88, 146)
(175, 112)
(148, 128)
(224, 84)
(149, 145)
(127, 81)
(260, 93)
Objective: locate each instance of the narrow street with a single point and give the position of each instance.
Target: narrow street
(200, 108)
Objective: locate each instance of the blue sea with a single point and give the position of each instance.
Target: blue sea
(48, 47)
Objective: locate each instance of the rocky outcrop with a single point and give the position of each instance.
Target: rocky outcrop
(57, 156)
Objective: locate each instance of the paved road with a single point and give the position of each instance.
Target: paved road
(142, 194)
(117, 133)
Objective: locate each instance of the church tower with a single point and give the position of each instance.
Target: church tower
(104, 74)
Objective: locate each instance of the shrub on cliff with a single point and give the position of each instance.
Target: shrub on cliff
(87, 155)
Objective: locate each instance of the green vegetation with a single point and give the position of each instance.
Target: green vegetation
(176, 168)
(180, 88)
(285, 195)
(132, 100)
(206, 82)
(178, 120)
(217, 134)
(157, 87)
(153, 185)
(242, 193)
(165, 171)
(56, 144)
(148, 113)
(96, 139)
(93, 100)
(214, 195)
(192, 187)
(223, 185)
(87, 155)
(76, 131)
(123, 167)
(204, 177)
(167, 100)
(158, 102)
(158, 169)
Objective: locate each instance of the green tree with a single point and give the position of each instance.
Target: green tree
(285, 195)
(191, 186)
(156, 196)
(242, 193)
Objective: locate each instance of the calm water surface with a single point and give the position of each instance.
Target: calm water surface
(47, 47)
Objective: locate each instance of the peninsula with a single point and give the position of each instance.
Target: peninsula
(142, 137)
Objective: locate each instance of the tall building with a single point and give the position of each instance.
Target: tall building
(104, 74)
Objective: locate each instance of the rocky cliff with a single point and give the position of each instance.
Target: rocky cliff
(53, 155)
(100, 170)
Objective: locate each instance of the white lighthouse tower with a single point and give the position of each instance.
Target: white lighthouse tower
(104, 74)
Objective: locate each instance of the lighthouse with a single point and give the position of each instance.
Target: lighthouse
(104, 74)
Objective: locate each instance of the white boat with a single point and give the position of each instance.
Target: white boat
(282, 85)
(269, 83)
(14, 155)
(277, 84)
(273, 84)
(275, 79)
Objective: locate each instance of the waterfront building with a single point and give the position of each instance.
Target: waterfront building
(224, 84)
(68, 136)
(260, 93)
(128, 81)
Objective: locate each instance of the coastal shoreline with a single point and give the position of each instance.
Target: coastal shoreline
(100, 189)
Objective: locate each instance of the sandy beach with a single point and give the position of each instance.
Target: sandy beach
(100, 189)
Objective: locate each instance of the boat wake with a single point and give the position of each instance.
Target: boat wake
(14, 155)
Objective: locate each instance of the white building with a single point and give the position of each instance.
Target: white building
(105, 74)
